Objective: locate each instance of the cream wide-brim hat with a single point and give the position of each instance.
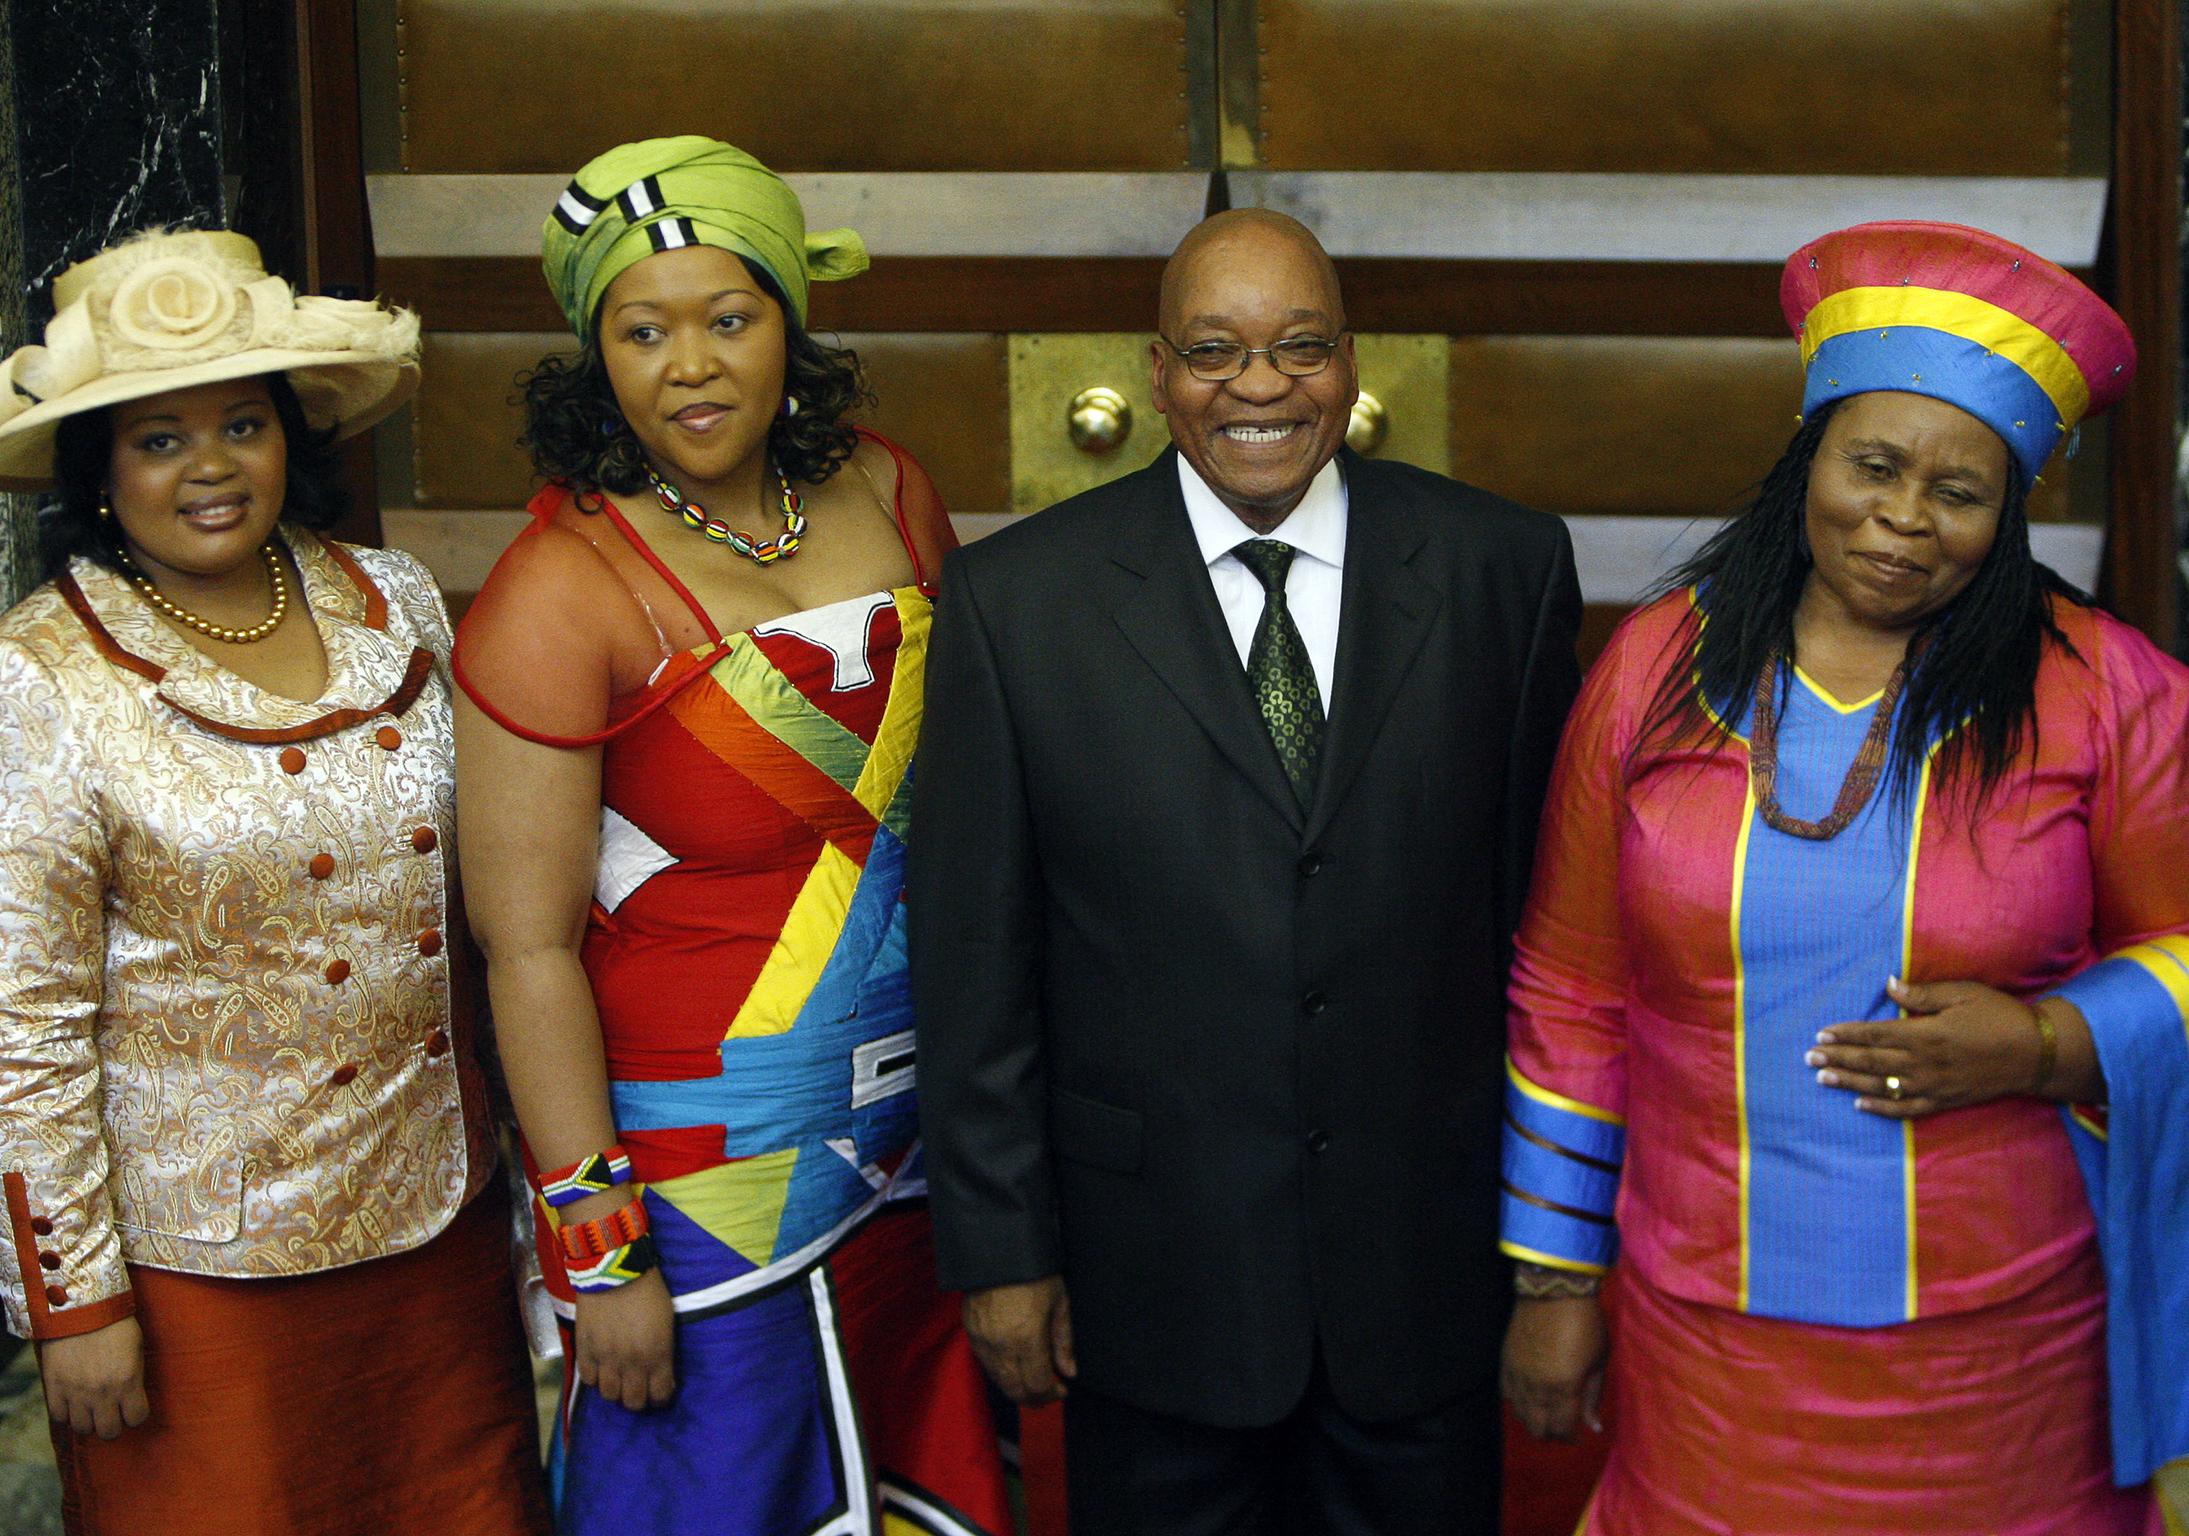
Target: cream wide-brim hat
(165, 311)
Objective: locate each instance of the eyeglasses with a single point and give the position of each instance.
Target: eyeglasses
(1296, 356)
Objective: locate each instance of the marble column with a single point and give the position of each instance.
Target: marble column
(110, 121)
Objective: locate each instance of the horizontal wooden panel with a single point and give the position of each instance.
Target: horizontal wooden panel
(1680, 426)
(1470, 216)
(1621, 424)
(912, 293)
(487, 85)
(1907, 86)
(943, 396)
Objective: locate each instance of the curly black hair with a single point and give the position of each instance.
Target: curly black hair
(576, 433)
(69, 523)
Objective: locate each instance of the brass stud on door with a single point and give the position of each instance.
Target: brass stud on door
(1370, 424)
(1099, 419)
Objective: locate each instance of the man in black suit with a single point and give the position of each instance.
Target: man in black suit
(1209, 977)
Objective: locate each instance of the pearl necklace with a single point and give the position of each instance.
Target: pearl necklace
(184, 617)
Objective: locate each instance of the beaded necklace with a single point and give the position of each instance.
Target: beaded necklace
(1862, 774)
(183, 616)
(713, 528)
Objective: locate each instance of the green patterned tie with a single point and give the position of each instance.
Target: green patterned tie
(1283, 677)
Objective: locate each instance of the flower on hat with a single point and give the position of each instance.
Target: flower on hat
(175, 304)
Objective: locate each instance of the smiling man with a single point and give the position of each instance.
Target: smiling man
(1226, 803)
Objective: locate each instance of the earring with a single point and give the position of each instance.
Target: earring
(106, 513)
(790, 405)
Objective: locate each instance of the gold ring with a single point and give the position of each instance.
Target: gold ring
(1892, 1088)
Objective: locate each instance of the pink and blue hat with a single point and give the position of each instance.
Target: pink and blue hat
(1962, 316)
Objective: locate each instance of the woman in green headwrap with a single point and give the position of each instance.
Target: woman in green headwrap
(693, 690)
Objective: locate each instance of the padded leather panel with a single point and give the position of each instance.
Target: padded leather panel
(1911, 87)
(806, 85)
(944, 396)
(1669, 426)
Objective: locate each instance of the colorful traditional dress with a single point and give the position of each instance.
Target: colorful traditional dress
(746, 951)
(1834, 1321)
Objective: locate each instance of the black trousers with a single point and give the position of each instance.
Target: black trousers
(1316, 1472)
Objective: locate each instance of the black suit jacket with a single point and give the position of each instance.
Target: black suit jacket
(1234, 1069)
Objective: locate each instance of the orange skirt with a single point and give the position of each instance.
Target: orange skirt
(388, 1396)
(1992, 1421)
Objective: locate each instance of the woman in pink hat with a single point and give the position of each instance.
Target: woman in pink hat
(1861, 878)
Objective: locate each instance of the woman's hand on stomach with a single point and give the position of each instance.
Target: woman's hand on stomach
(1961, 1043)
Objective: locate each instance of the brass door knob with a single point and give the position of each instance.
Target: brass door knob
(1099, 419)
(1370, 424)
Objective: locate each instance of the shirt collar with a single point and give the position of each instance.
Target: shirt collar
(1316, 527)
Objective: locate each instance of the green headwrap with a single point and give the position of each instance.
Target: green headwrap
(661, 194)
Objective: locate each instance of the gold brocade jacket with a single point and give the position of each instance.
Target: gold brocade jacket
(229, 1039)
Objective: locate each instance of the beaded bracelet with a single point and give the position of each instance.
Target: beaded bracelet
(587, 1176)
(585, 1241)
(618, 1266)
(1535, 1282)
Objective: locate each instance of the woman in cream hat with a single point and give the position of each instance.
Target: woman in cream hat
(1860, 879)
(693, 695)
(252, 1220)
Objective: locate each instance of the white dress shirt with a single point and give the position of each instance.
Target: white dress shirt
(1315, 528)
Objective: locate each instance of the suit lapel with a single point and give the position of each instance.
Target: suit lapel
(1384, 616)
(1163, 603)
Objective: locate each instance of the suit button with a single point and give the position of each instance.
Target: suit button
(425, 839)
(56, 1296)
(292, 759)
(338, 971)
(389, 737)
(1311, 865)
(49, 1261)
(1318, 1141)
(1314, 1003)
(322, 866)
(41, 1226)
(437, 1043)
(344, 1075)
(429, 943)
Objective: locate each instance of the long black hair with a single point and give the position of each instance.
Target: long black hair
(70, 524)
(1974, 683)
(575, 431)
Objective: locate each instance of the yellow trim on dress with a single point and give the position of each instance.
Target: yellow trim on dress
(1907, 962)
(2167, 961)
(1958, 314)
(1559, 1100)
(1825, 694)
(1549, 1260)
(1740, 1027)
